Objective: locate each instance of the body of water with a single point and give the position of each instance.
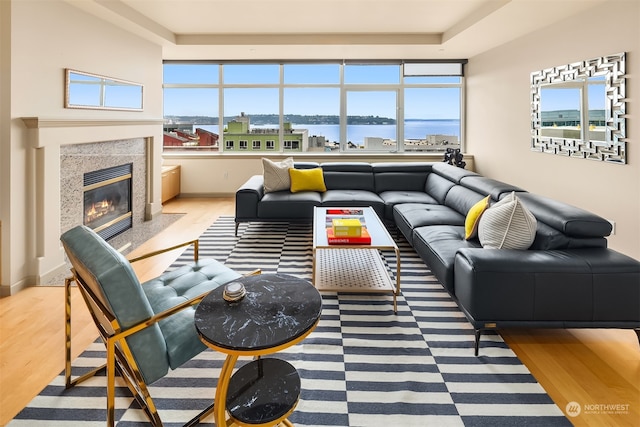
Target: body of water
(413, 129)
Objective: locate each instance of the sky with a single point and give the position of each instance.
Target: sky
(556, 98)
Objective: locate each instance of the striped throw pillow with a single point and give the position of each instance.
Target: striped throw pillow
(507, 225)
(276, 174)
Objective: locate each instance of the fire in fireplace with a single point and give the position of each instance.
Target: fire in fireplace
(107, 200)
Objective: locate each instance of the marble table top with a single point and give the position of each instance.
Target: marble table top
(277, 309)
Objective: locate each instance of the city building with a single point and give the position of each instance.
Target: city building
(240, 136)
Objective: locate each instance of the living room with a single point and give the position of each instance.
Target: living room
(38, 43)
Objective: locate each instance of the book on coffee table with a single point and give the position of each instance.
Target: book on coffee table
(350, 227)
(344, 211)
(363, 239)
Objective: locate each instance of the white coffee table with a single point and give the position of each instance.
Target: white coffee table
(354, 268)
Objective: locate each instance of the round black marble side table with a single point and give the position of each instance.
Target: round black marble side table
(278, 311)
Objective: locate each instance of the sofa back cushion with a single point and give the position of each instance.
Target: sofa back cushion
(489, 187)
(403, 176)
(461, 199)
(438, 187)
(452, 173)
(567, 219)
(348, 176)
(548, 238)
(306, 165)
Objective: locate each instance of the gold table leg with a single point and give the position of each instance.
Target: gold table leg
(220, 403)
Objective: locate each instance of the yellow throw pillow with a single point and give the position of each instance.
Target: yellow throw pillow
(473, 218)
(307, 180)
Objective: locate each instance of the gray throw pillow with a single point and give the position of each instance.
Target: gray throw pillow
(507, 225)
(276, 174)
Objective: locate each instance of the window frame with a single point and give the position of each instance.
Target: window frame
(343, 88)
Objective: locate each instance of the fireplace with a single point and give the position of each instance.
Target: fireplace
(107, 200)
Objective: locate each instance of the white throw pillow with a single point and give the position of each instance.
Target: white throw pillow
(507, 225)
(276, 174)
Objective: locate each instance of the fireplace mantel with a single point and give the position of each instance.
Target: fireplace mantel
(61, 131)
(46, 136)
(49, 122)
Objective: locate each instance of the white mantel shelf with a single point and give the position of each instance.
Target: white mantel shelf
(56, 131)
(49, 122)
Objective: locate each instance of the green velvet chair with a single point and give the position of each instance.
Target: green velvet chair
(147, 328)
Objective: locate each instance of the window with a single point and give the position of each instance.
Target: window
(314, 106)
(371, 120)
(291, 145)
(574, 110)
(371, 73)
(431, 118)
(315, 111)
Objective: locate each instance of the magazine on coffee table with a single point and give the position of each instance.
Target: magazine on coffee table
(344, 213)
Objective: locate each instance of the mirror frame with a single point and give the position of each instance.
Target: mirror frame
(68, 87)
(613, 149)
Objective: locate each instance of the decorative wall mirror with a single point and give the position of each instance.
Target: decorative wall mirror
(578, 110)
(93, 91)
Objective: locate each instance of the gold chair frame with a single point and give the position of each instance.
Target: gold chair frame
(119, 355)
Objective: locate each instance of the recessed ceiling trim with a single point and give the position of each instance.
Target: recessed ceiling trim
(310, 39)
(476, 16)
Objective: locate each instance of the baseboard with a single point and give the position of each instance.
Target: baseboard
(7, 291)
(205, 195)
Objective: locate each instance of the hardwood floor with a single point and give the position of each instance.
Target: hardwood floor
(593, 368)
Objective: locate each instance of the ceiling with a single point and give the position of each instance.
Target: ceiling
(331, 29)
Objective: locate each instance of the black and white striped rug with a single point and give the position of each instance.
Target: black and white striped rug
(362, 366)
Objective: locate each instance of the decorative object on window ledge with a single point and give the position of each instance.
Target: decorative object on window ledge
(578, 110)
(454, 157)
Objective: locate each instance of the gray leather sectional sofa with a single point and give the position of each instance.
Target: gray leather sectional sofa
(568, 278)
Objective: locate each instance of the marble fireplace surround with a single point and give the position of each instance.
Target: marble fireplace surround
(80, 145)
(78, 159)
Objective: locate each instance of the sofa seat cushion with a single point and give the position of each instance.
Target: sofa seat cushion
(175, 287)
(408, 216)
(437, 245)
(285, 205)
(395, 197)
(356, 198)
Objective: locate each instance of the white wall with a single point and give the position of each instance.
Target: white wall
(45, 38)
(498, 117)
